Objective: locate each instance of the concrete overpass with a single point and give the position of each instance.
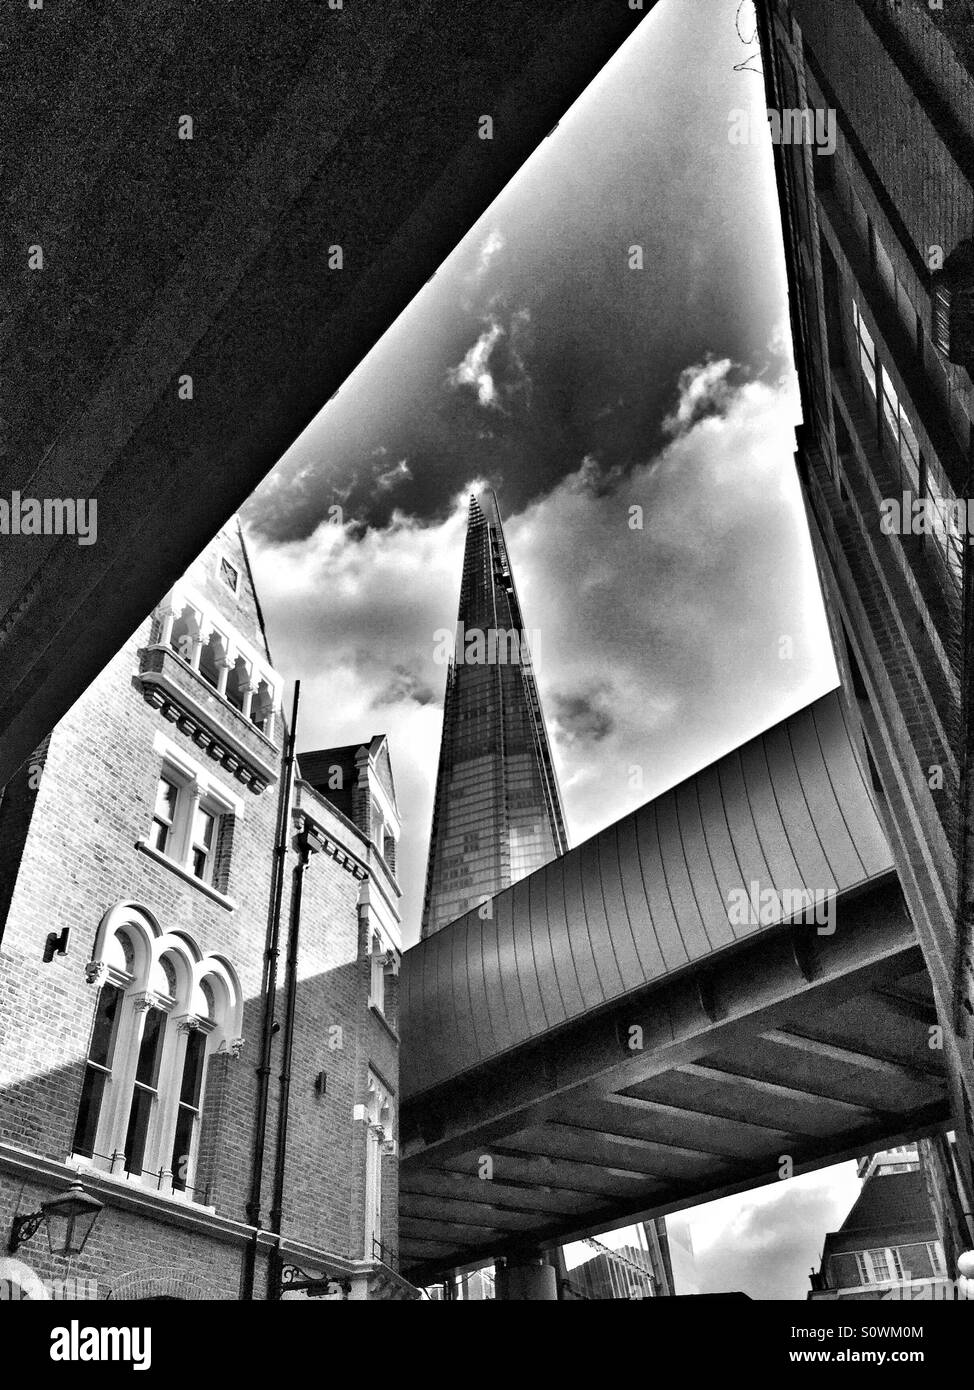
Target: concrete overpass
(162, 258)
(612, 1043)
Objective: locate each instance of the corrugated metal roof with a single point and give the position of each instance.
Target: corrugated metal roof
(790, 812)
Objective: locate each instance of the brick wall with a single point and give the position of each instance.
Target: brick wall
(78, 857)
(339, 1034)
(894, 75)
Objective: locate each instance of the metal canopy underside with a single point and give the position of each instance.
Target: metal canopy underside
(166, 258)
(692, 1080)
(789, 811)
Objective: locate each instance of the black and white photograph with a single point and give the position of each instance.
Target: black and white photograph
(487, 676)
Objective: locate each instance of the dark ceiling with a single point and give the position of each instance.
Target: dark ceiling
(163, 258)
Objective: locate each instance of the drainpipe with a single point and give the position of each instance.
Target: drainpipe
(280, 1159)
(268, 994)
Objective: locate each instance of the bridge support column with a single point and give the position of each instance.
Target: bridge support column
(524, 1278)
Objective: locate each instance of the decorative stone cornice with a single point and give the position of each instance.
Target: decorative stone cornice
(319, 841)
(99, 972)
(194, 1023)
(245, 753)
(151, 999)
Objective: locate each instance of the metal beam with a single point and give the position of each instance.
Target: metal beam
(459, 1187)
(696, 1117)
(885, 1065)
(756, 982)
(775, 1088)
(929, 1120)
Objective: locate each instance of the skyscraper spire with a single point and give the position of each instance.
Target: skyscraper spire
(497, 813)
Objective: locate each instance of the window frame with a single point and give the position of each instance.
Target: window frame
(100, 1072)
(198, 791)
(379, 1111)
(225, 560)
(182, 842)
(206, 622)
(174, 989)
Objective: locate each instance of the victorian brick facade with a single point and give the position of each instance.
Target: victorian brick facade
(198, 956)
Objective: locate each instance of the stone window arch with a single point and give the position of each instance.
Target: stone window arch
(162, 1009)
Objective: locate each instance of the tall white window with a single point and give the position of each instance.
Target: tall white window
(186, 822)
(162, 1010)
(378, 1141)
(948, 532)
(902, 436)
(866, 349)
(880, 1266)
(189, 816)
(381, 961)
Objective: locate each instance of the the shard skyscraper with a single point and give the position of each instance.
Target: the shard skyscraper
(497, 814)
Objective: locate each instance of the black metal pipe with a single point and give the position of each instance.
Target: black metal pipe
(287, 1049)
(268, 995)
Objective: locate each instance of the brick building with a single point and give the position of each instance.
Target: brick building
(199, 943)
(888, 1246)
(878, 226)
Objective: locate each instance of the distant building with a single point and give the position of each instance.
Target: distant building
(156, 869)
(497, 812)
(888, 1245)
(625, 1272)
(876, 180)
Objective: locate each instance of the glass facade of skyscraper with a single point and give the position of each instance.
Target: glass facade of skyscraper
(497, 812)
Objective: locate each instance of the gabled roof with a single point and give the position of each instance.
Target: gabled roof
(891, 1209)
(333, 772)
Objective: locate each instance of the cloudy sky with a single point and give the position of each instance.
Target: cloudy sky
(608, 348)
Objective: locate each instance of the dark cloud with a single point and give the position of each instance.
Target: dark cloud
(766, 1242)
(584, 717)
(406, 685)
(536, 344)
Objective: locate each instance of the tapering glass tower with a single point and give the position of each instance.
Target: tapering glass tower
(497, 814)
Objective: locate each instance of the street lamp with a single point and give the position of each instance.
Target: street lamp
(69, 1220)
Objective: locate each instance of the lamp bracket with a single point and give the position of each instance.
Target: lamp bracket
(315, 1285)
(24, 1228)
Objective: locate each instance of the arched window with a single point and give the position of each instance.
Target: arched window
(262, 709)
(378, 1141)
(162, 1010)
(238, 683)
(185, 634)
(213, 658)
(188, 625)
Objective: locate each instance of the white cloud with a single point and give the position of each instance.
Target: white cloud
(397, 474)
(493, 244)
(355, 620)
(495, 381)
(659, 647)
(763, 1243)
(474, 370)
(703, 389)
